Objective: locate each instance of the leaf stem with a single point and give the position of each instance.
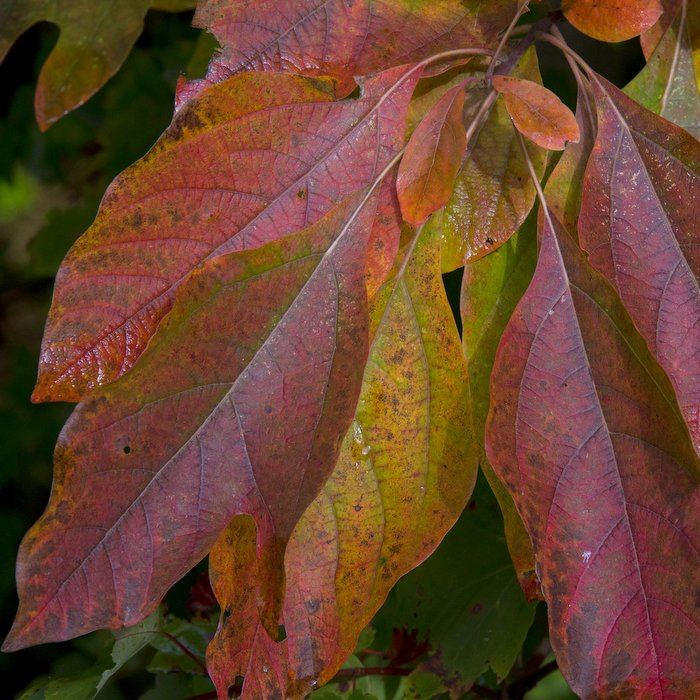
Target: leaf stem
(578, 76)
(360, 672)
(534, 178)
(506, 35)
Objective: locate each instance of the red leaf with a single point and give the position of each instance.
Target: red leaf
(612, 20)
(537, 112)
(405, 472)
(339, 38)
(638, 222)
(253, 159)
(266, 348)
(433, 158)
(604, 476)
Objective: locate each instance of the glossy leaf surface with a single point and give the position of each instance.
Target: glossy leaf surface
(638, 223)
(265, 347)
(493, 193)
(612, 20)
(433, 158)
(537, 112)
(583, 430)
(252, 159)
(405, 472)
(338, 38)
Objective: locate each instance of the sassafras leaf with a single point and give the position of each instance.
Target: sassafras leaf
(405, 471)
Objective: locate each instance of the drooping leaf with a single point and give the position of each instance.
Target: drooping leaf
(252, 159)
(565, 183)
(638, 223)
(238, 406)
(537, 112)
(465, 600)
(433, 158)
(491, 287)
(493, 193)
(96, 36)
(669, 83)
(584, 432)
(341, 39)
(612, 20)
(405, 472)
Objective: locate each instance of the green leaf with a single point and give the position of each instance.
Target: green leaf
(668, 84)
(466, 599)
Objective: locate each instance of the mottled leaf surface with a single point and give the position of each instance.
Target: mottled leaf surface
(252, 159)
(493, 193)
(491, 288)
(596, 456)
(433, 158)
(264, 347)
(638, 223)
(537, 112)
(565, 183)
(668, 85)
(95, 38)
(405, 471)
(612, 20)
(339, 38)
(465, 600)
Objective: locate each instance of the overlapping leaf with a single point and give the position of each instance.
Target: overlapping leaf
(537, 112)
(612, 20)
(669, 83)
(334, 37)
(252, 159)
(433, 157)
(405, 471)
(465, 600)
(491, 287)
(238, 406)
(638, 223)
(493, 193)
(95, 39)
(584, 430)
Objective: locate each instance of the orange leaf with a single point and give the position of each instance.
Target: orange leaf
(612, 20)
(433, 157)
(537, 112)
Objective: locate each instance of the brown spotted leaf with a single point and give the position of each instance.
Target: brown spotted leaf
(253, 158)
(339, 38)
(537, 112)
(584, 431)
(612, 20)
(638, 223)
(95, 38)
(239, 405)
(493, 193)
(405, 472)
(433, 158)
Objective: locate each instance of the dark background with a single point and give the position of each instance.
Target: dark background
(50, 187)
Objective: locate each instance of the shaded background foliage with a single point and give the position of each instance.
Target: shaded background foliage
(50, 187)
